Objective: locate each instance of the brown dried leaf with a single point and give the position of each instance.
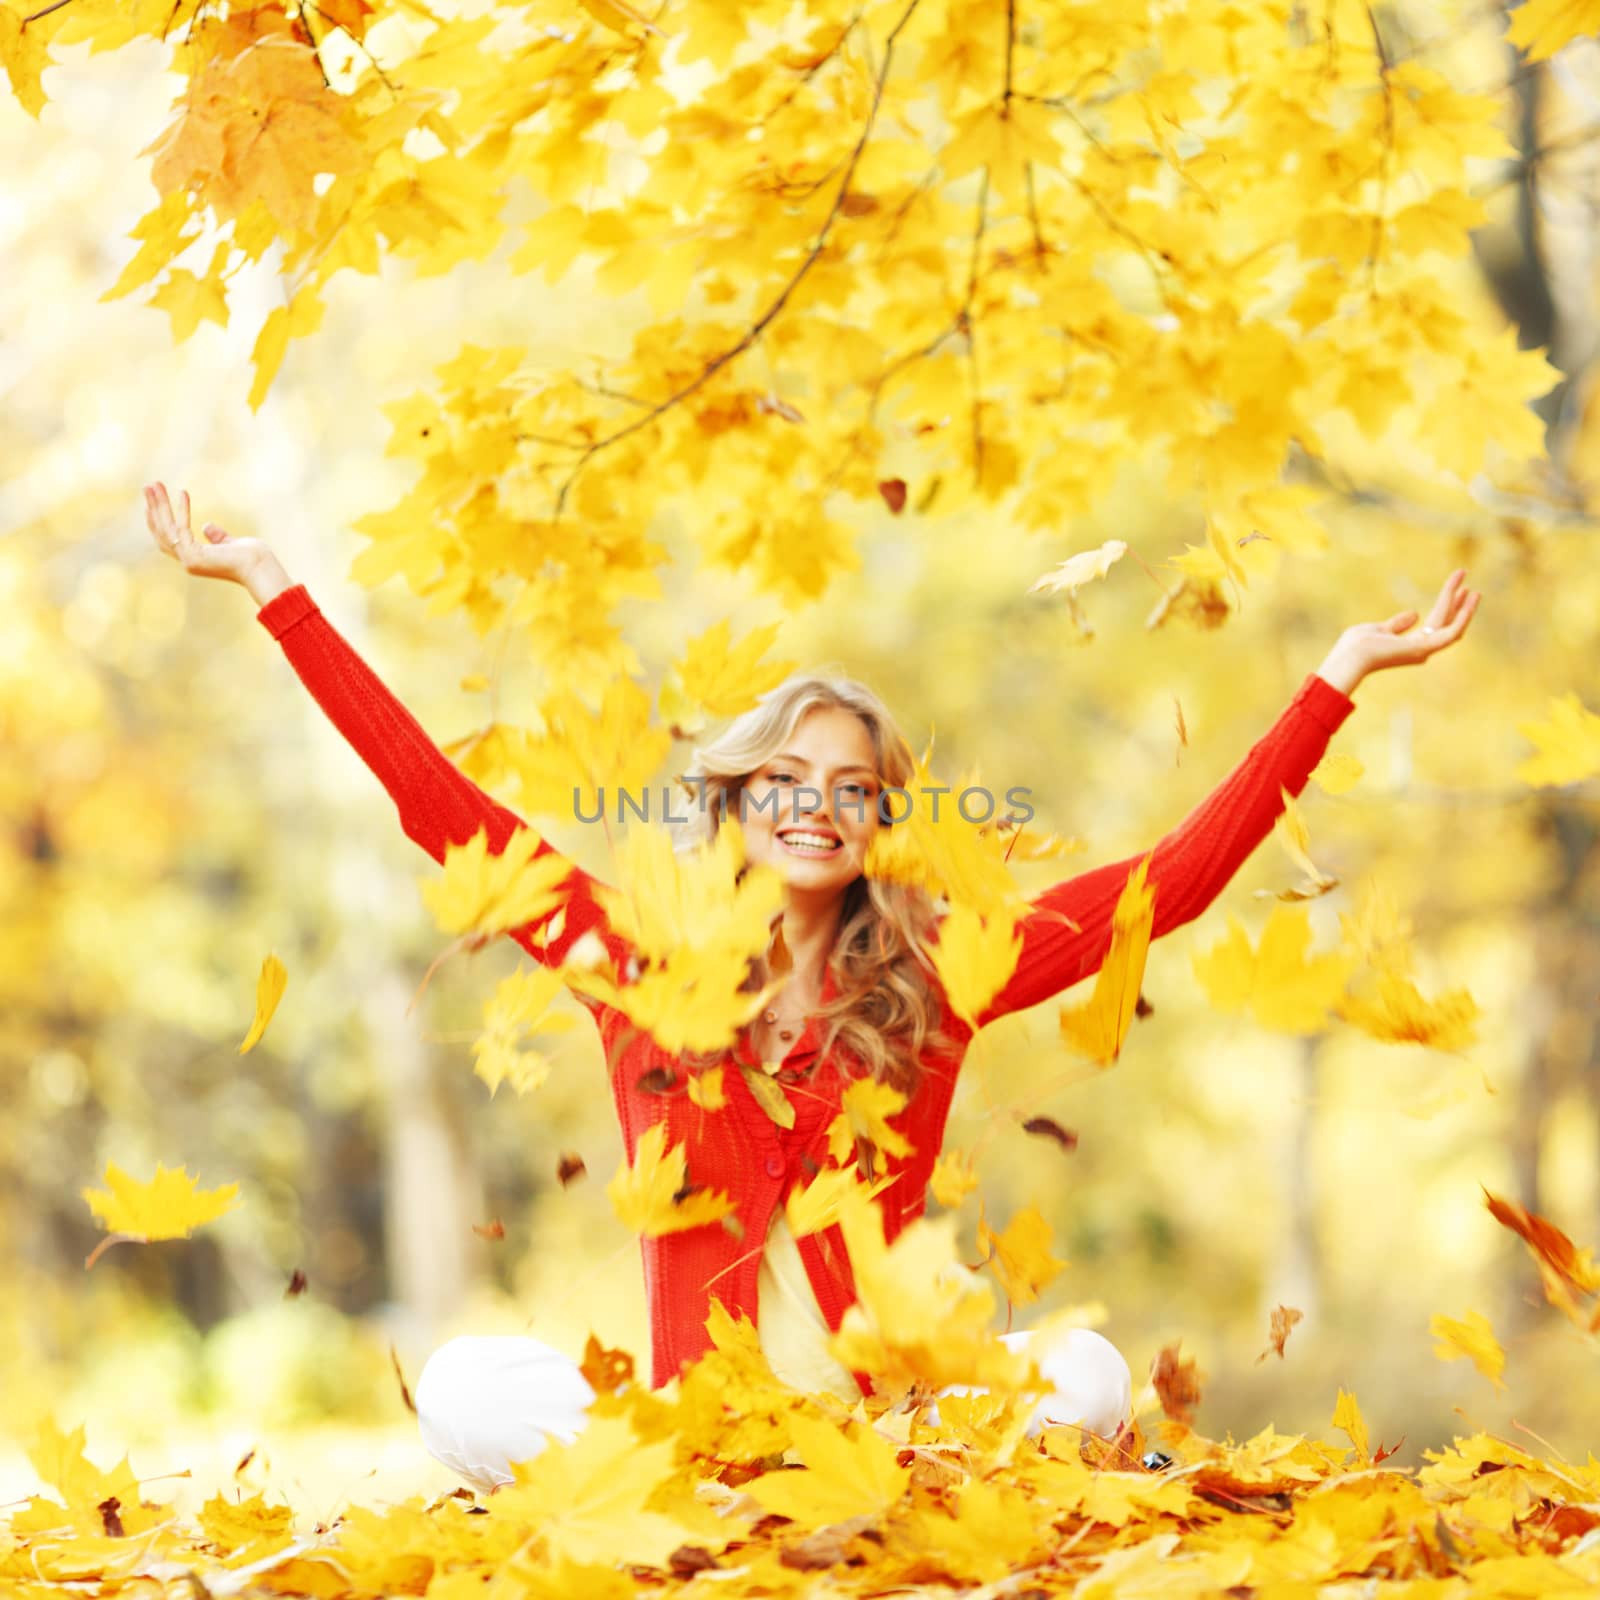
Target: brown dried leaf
(1177, 1383)
(1283, 1319)
(1051, 1129)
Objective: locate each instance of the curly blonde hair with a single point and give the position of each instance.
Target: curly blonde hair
(889, 1008)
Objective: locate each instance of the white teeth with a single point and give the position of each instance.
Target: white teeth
(819, 842)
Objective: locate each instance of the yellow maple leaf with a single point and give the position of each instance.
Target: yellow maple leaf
(586, 759)
(1347, 1417)
(189, 300)
(706, 1091)
(24, 52)
(1379, 932)
(867, 1106)
(1473, 1338)
(932, 846)
(1295, 837)
(1002, 137)
(818, 1205)
(259, 124)
(768, 1092)
(1398, 1014)
(848, 1474)
(270, 984)
(920, 1314)
(1021, 1255)
(642, 1194)
(167, 1206)
(518, 1009)
(1541, 27)
(1568, 742)
(667, 901)
(246, 1529)
(620, 16)
(1337, 774)
(1097, 1028)
(720, 679)
(62, 1462)
(1280, 983)
(1075, 571)
(588, 1500)
(953, 1178)
(302, 316)
(488, 893)
(975, 955)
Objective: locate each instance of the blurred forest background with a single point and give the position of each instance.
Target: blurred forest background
(173, 806)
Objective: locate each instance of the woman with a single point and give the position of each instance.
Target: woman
(860, 994)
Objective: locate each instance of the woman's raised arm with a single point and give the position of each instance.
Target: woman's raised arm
(438, 804)
(1191, 865)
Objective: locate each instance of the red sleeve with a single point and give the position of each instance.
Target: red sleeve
(1188, 868)
(438, 803)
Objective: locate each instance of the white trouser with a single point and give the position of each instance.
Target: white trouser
(483, 1403)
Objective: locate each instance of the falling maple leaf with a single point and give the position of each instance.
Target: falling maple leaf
(1021, 1255)
(167, 1206)
(953, 1178)
(487, 892)
(519, 1009)
(819, 1203)
(1397, 1013)
(974, 957)
(1337, 774)
(1280, 982)
(644, 1194)
(1295, 838)
(1049, 1128)
(1080, 569)
(706, 1091)
(1177, 1381)
(1568, 744)
(1473, 1338)
(864, 1120)
(1565, 1271)
(1283, 1319)
(273, 980)
(719, 679)
(1098, 1028)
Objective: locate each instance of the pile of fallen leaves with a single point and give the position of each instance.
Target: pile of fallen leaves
(729, 1482)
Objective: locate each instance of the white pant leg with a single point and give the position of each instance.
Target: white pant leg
(1090, 1383)
(484, 1402)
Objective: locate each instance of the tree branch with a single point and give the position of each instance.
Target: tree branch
(784, 295)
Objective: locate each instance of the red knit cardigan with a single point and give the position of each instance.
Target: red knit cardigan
(740, 1150)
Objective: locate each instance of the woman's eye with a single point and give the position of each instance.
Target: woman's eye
(778, 777)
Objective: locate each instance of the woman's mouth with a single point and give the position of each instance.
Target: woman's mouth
(802, 843)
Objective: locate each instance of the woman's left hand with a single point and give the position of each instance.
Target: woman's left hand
(1372, 646)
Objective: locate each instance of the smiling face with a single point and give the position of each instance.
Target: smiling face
(818, 844)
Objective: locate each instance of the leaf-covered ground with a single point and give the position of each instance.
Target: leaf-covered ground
(731, 1484)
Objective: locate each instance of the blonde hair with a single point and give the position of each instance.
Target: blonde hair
(889, 1007)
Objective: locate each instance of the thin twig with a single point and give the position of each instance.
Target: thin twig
(1376, 252)
(964, 318)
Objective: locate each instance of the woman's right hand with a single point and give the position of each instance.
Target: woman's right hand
(218, 555)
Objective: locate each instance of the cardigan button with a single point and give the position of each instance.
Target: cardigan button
(775, 1167)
